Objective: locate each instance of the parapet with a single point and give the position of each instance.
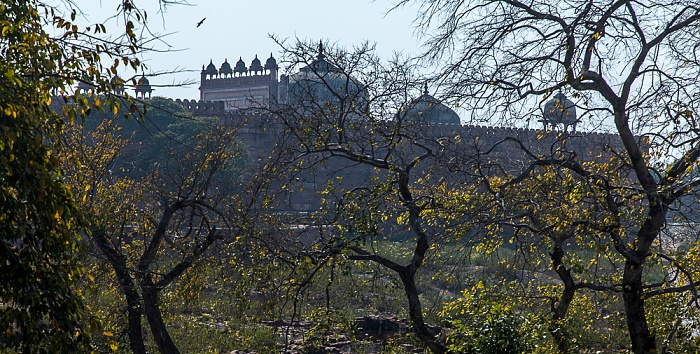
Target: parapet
(201, 107)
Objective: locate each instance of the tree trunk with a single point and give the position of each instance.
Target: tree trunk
(128, 288)
(133, 308)
(560, 309)
(415, 312)
(632, 279)
(155, 319)
(640, 336)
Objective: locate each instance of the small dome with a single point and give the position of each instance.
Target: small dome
(117, 84)
(85, 84)
(255, 65)
(560, 110)
(143, 87)
(225, 68)
(428, 109)
(240, 66)
(143, 81)
(271, 63)
(211, 69)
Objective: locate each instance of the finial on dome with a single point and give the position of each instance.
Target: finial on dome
(425, 88)
(255, 65)
(240, 66)
(320, 50)
(271, 63)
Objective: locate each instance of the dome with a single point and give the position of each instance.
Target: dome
(116, 80)
(255, 65)
(225, 68)
(429, 109)
(211, 69)
(85, 84)
(271, 63)
(321, 81)
(240, 66)
(143, 81)
(560, 110)
(117, 84)
(143, 87)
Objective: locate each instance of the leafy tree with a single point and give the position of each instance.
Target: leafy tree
(38, 240)
(88, 159)
(154, 224)
(558, 223)
(351, 114)
(626, 63)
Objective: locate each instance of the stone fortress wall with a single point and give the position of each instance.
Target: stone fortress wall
(234, 93)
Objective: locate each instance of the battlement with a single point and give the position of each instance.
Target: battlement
(199, 107)
(496, 131)
(217, 108)
(238, 81)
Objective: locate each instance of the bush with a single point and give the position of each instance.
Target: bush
(480, 325)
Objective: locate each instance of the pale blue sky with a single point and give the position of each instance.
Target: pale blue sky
(235, 28)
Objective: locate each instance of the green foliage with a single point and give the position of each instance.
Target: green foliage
(44, 54)
(208, 336)
(480, 325)
(187, 162)
(164, 130)
(39, 311)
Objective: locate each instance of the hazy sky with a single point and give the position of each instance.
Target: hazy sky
(241, 28)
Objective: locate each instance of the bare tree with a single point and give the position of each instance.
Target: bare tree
(45, 52)
(153, 226)
(357, 135)
(628, 65)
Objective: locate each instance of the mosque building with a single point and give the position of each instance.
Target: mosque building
(243, 86)
(226, 90)
(235, 92)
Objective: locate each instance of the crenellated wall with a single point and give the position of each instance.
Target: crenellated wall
(199, 107)
(238, 81)
(458, 145)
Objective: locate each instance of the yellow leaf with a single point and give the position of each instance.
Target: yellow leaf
(108, 334)
(114, 346)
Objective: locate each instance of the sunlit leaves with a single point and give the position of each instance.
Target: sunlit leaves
(484, 324)
(38, 237)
